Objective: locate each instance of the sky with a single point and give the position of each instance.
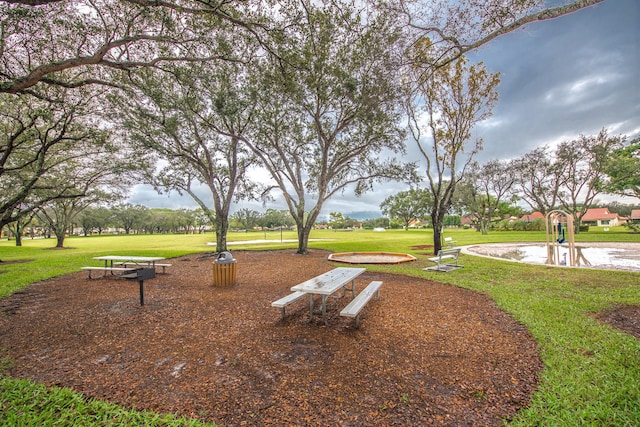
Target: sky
(560, 79)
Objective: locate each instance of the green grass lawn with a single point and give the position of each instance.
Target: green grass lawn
(591, 373)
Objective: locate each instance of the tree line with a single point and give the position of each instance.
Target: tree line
(323, 96)
(127, 218)
(569, 177)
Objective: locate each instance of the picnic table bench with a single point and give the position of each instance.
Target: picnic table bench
(120, 263)
(289, 299)
(445, 254)
(324, 285)
(357, 304)
(328, 283)
(105, 270)
(138, 264)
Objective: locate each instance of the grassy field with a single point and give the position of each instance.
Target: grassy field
(591, 375)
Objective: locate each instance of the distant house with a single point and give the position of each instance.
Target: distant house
(635, 216)
(468, 220)
(532, 217)
(414, 223)
(600, 217)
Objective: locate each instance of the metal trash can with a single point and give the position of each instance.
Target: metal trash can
(224, 270)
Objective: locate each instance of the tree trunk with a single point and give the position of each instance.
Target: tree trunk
(303, 239)
(576, 224)
(60, 241)
(18, 233)
(484, 226)
(437, 238)
(305, 227)
(222, 227)
(437, 219)
(437, 235)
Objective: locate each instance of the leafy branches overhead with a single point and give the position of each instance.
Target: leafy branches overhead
(73, 44)
(46, 150)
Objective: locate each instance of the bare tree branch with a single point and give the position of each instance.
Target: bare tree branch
(543, 15)
(454, 30)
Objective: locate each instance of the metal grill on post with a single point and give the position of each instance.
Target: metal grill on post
(141, 274)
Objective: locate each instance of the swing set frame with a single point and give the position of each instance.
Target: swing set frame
(560, 234)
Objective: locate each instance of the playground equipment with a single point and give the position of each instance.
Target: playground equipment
(560, 238)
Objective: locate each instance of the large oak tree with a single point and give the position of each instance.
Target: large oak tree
(39, 140)
(330, 109)
(187, 130)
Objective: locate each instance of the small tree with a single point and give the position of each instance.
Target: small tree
(18, 227)
(582, 165)
(485, 189)
(407, 206)
(454, 98)
(60, 214)
(336, 220)
(623, 170)
(537, 179)
(130, 217)
(247, 218)
(276, 218)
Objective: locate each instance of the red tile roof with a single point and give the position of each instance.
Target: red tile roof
(595, 214)
(532, 216)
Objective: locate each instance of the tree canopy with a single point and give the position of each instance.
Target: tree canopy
(329, 110)
(326, 77)
(407, 206)
(49, 150)
(623, 170)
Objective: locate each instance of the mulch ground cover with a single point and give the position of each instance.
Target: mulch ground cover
(425, 353)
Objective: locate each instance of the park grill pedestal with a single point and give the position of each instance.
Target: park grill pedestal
(141, 274)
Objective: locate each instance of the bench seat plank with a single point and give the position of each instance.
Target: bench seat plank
(106, 269)
(436, 258)
(357, 304)
(289, 299)
(164, 266)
